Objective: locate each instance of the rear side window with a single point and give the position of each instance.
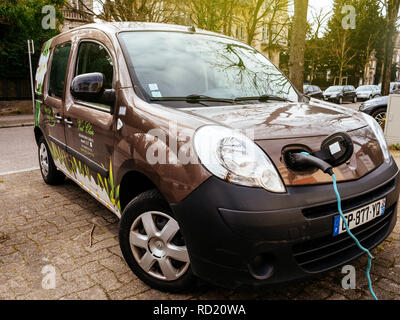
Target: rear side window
(59, 69)
(93, 57)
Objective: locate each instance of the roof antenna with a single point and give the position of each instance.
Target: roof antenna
(192, 29)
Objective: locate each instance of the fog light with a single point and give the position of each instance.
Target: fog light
(260, 267)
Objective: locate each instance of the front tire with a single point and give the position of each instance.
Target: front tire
(48, 169)
(152, 244)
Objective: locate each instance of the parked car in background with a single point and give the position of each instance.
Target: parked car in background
(313, 91)
(396, 89)
(394, 86)
(367, 92)
(376, 108)
(340, 94)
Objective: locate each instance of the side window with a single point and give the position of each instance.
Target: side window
(59, 69)
(93, 57)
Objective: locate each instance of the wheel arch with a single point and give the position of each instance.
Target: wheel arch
(38, 133)
(132, 184)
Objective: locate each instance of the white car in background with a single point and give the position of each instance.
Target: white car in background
(367, 92)
(394, 86)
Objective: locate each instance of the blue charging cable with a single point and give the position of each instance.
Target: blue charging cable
(370, 257)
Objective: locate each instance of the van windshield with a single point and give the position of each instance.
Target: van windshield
(174, 64)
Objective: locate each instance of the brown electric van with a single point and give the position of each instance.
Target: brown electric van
(188, 137)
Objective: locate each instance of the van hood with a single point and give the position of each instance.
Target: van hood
(284, 119)
(277, 126)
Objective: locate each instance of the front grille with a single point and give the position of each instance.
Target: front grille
(327, 252)
(350, 203)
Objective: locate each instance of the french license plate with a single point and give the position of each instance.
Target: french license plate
(359, 216)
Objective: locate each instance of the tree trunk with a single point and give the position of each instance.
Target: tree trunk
(297, 44)
(391, 18)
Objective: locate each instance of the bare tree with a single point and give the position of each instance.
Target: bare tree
(342, 52)
(297, 45)
(258, 14)
(318, 19)
(216, 15)
(392, 11)
(138, 10)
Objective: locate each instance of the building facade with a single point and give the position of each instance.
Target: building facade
(271, 32)
(371, 66)
(396, 57)
(77, 13)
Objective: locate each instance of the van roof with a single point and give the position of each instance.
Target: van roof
(115, 27)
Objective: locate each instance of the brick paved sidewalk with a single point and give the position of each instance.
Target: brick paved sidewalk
(43, 226)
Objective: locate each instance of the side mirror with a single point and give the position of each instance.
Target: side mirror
(90, 87)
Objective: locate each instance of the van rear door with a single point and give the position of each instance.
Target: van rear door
(50, 95)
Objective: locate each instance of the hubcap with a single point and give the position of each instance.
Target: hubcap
(44, 160)
(381, 118)
(157, 246)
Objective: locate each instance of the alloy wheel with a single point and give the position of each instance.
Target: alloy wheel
(158, 247)
(44, 160)
(381, 118)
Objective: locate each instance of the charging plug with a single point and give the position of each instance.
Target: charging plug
(307, 160)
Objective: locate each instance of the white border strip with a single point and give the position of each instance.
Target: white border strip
(18, 171)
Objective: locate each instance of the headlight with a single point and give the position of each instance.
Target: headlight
(377, 130)
(234, 157)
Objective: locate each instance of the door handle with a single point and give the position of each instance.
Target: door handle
(67, 121)
(58, 117)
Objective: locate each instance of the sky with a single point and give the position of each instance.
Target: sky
(317, 4)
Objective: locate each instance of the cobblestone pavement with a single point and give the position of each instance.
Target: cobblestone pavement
(43, 226)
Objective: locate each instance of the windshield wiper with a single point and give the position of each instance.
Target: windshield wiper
(193, 98)
(263, 97)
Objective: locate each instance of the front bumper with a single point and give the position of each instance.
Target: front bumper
(333, 99)
(362, 97)
(225, 226)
